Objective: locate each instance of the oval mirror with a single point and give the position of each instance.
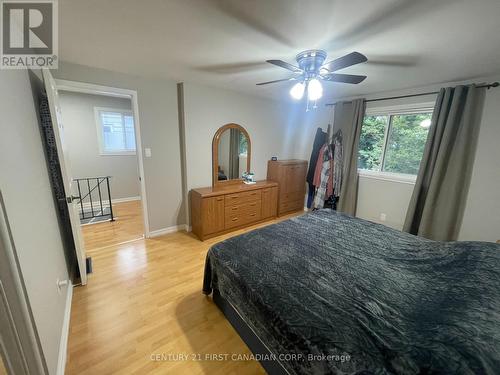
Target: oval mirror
(230, 154)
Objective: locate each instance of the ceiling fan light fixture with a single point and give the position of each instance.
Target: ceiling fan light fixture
(297, 91)
(314, 90)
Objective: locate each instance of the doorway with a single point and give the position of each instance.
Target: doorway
(102, 136)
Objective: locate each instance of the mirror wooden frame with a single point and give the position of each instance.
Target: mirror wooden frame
(215, 154)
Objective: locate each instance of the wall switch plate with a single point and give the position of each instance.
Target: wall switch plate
(147, 152)
(383, 217)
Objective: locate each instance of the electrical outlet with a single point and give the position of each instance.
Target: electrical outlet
(147, 152)
(383, 217)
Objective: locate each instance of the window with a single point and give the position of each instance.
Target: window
(115, 130)
(394, 142)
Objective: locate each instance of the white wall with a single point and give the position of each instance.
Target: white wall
(24, 183)
(159, 131)
(270, 125)
(481, 219)
(80, 131)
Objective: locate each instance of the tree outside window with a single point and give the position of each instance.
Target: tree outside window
(393, 143)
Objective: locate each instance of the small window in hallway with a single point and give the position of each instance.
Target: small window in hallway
(115, 128)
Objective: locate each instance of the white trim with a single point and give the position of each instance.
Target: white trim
(98, 124)
(63, 345)
(163, 231)
(90, 88)
(96, 204)
(388, 176)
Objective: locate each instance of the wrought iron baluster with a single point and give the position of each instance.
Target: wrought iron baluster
(91, 188)
(81, 199)
(90, 197)
(99, 190)
(109, 197)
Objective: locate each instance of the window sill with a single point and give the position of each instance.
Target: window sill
(131, 153)
(388, 176)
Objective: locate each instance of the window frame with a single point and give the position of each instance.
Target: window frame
(390, 111)
(99, 127)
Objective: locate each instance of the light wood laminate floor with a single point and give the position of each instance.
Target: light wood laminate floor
(128, 225)
(144, 299)
(3, 370)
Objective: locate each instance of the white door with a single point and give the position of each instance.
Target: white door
(57, 125)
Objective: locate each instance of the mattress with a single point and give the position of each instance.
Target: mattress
(333, 294)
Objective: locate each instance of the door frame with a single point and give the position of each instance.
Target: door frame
(90, 88)
(20, 345)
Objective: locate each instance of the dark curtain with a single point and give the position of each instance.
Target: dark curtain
(438, 201)
(348, 117)
(319, 141)
(234, 154)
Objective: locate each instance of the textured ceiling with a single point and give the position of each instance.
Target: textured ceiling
(224, 43)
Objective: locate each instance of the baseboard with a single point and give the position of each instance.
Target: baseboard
(163, 231)
(96, 204)
(63, 345)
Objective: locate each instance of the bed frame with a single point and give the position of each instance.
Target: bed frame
(254, 343)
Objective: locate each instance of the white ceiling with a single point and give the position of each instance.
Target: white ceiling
(224, 43)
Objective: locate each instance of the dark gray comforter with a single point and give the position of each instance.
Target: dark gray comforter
(373, 298)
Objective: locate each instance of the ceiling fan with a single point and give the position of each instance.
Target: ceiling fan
(312, 70)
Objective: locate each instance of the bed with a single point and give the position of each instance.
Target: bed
(326, 293)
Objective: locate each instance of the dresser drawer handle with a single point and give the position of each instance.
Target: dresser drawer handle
(234, 197)
(253, 204)
(252, 215)
(234, 219)
(234, 208)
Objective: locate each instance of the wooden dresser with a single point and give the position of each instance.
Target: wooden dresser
(221, 209)
(291, 178)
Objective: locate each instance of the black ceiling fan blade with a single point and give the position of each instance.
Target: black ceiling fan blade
(277, 80)
(344, 78)
(284, 64)
(352, 58)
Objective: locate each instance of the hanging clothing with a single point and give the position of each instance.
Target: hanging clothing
(319, 166)
(319, 141)
(337, 164)
(324, 177)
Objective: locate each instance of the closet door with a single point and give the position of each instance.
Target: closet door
(292, 198)
(212, 211)
(295, 178)
(269, 202)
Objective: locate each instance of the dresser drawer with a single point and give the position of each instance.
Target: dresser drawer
(291, 206)
(241, 208)
(245, 216)
(243, 197)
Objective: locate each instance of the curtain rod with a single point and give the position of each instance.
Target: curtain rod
(488, 86)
